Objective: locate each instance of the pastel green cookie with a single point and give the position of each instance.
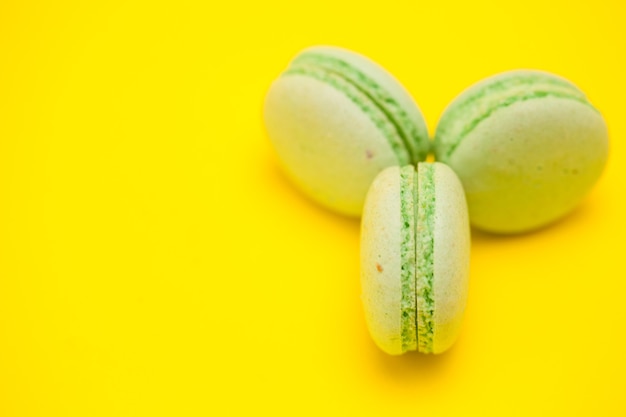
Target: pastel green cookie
(527, 146)
(336, 119)
(415, 245)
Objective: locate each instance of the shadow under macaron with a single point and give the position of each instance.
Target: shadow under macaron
(283, 188)
(415, 371)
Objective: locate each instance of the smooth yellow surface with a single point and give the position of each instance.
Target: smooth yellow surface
(155, 262)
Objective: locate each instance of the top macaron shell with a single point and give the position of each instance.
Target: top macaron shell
(382, 245)
(527, 146)
(333, 134)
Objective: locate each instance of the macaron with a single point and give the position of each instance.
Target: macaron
(415, 248)
(336, 119)
(527, 146)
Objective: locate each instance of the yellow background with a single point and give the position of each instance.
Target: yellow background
(154, 260)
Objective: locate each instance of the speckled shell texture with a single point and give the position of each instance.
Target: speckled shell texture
(529, 163)
(325, 143)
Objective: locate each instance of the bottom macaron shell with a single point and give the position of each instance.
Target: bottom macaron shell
(530, 163)
(325, 143)
(381, 265)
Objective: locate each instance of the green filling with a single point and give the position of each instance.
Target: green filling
(425, 256)
(416, 142)
(407, 255)
(465, 115)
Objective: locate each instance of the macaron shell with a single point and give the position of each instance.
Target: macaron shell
(530, 163)
(451, 257)
(387, 82)
(325, 142)
(381, 261)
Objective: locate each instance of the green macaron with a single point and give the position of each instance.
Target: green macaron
(415, 245)
(336, 119)
(527, 146)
